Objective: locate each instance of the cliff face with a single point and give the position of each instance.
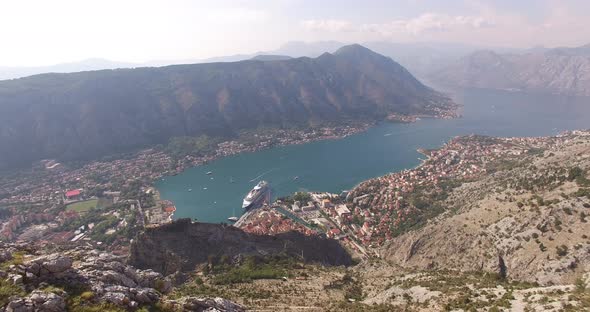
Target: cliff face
(182, 245)
(88, 114)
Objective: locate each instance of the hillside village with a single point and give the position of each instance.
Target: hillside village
(379, 209)
(45, 202)
(482, 224)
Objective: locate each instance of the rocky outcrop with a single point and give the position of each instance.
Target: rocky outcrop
(209, 305)
(183, 244)
(38, 301)
(524, 223)
(106, 278)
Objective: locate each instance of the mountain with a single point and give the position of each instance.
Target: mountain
(87, 114)
(419, 58)
(84, 65)
(270, 57)
(559, 70)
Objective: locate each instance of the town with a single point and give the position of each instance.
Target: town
(105, 203)
(381, 208)
(109, 200)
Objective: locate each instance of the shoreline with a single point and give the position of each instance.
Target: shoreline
(380, 208)
(44, 185)
(362, 127)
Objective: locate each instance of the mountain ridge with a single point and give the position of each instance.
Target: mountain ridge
(560, 71)
(86, 114)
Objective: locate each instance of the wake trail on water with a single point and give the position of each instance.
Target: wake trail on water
(263, 174)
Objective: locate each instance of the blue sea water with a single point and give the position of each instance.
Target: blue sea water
(336, 165)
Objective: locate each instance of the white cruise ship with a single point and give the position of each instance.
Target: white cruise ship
(255, 195)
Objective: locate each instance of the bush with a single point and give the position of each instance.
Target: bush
(253, 268)
(7, 290)
(87, 296)
(561, 250)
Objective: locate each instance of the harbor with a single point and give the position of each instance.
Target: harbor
(336, 165)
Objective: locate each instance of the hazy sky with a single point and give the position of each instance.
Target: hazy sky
(45, 32)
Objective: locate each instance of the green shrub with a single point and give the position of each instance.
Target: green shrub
(561, 250)
(7, 290)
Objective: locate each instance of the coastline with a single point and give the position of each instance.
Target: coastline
(44, 185)
(381, 208)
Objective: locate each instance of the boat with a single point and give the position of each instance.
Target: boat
(255, 195)
(231, 180)
(190, 190)
(233, 219)
(296, 178)
(210, 173)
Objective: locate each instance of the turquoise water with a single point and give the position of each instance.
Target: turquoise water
(337, 165)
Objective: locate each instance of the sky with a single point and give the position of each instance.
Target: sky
(44, 32)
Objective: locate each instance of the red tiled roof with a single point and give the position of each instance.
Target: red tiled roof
(72, 193)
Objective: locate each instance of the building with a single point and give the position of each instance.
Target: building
(342, 211)
(73, 194)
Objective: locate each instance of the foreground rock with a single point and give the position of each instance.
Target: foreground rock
(209, 305)
(103, 276)
(38, 301)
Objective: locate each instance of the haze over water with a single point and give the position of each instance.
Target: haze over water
(336, 165)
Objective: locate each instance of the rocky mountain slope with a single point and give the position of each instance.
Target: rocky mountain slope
(183, 245)
(560, 71)
(88, 114)
(526, 219)
(512, 236)
(84, 279)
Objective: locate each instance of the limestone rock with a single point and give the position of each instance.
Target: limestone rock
(210, 305)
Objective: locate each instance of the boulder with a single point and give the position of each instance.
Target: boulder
(210, 305)
(37, 301)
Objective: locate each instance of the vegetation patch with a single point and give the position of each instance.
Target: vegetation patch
(7, 290)
(253, 268)
(83, 206)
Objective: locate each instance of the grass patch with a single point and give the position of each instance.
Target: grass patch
(253, 268)
(7, 290)
(83, 206)
(17, 258)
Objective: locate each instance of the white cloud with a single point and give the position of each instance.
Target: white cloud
(327, 25)
(426, 22)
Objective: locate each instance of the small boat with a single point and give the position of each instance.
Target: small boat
(233, 219)
(231, 180)
(190, 190)
(296, 178)
(204, 188)
(212, 178)
(209, 173)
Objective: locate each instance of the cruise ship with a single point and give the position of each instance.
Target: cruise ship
(255, 195)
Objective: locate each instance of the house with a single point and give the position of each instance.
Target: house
(73, 194)
(342, 211)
